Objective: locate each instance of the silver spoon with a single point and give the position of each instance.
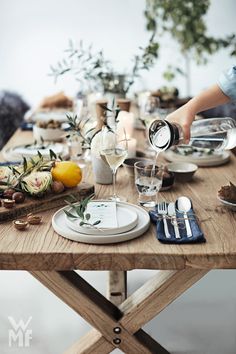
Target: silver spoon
(172, 214)
(184, 205)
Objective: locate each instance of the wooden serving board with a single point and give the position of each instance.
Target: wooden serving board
(49, 201)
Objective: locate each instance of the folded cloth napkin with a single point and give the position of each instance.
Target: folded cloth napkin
(9, 163)
(197, 237)
(26, 126)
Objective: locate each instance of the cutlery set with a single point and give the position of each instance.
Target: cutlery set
(168, 211)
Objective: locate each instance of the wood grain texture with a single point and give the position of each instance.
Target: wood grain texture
(50, 201)
(155, 295)
(144, 304)
(96, 310)
(117, 287)
(40, 248)
(91, 343)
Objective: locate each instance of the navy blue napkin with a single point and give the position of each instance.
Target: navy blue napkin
(26, 126)
(197, 237)
(9, 163)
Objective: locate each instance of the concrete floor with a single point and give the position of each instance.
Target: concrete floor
(202, 321)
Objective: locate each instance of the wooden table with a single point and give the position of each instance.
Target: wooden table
(118, 319)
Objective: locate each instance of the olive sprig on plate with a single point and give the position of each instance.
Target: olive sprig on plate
(80, 207)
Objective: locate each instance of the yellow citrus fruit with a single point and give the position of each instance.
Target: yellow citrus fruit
(67, 172)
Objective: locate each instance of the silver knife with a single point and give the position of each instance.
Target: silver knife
(172, 214)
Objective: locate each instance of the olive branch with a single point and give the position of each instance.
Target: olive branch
(80, 210)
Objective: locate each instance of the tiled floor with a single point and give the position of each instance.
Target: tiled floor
(202, 321)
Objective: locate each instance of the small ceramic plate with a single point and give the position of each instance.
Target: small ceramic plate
(127, 219)
(60, 226)
(231, 206)
(16, 153)
(203, 161)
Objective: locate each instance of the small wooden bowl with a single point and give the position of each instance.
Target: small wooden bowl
(20, 224)
(8, 203)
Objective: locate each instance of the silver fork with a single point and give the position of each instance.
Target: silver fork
(162, 210)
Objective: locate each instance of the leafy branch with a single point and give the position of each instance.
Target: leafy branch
(80, 211)
(32, 164)
(185, 22)
(78, 126)
(90, 67)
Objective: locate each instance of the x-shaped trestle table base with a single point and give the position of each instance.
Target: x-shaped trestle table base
(118, 326)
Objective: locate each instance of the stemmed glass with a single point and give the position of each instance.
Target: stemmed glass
(149, 110)
(114, 150)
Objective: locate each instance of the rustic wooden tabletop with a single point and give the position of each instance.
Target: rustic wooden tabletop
(41, 248)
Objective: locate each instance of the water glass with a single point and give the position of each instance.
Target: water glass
(148, 181)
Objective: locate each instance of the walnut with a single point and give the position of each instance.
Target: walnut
(228, 193)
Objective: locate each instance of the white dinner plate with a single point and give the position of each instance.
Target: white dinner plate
(60, 226)
(127, 219)
(202, 161)
(17, 152)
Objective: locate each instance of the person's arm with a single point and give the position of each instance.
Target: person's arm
(207, 99)
(216, 95)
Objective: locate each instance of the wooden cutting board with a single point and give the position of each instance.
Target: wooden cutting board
(49, 201)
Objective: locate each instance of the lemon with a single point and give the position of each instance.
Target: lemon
(67, 172)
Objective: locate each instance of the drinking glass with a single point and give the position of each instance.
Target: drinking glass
(148, 181)
(114, 151)
(76, 150)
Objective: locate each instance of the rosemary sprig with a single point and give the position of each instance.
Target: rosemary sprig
(80, 210)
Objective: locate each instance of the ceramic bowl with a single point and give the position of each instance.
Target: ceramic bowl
(47, 134)
(129, 165)
(229, 205)
(168, 180)
(183, 171)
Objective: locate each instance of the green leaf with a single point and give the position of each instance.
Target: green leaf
(87, 216)
(40, 155)
(96, 222)
(25, 165)
(52, 155)
(70, 215)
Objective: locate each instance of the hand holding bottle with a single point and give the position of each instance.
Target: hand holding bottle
(184, 116)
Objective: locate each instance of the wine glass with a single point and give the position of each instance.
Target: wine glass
(114, 151)
(149, 110)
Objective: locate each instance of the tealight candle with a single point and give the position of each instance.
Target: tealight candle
(132, 145)
(126, 124)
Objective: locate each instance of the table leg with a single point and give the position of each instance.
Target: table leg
(118, 326)
(117, 286)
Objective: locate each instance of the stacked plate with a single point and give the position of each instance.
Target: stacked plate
(132, 222)
(216, 159)
(15, 153)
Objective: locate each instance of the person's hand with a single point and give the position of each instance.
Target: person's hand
(183, 116)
